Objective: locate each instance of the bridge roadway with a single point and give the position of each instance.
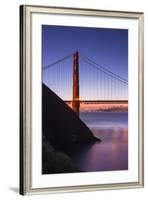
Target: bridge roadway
(100, 101)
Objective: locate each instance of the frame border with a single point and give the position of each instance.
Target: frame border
(25, 98)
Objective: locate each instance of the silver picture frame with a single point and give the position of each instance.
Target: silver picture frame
(26, 12)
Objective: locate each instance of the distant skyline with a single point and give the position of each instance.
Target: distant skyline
(107, 47)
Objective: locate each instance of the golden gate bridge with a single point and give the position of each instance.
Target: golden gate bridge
(77, 79)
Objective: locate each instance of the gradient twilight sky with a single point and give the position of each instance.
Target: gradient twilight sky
(107, 47)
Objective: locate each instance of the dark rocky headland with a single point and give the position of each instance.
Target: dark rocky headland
(62, 129)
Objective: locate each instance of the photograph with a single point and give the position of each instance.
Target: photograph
(84, 99)
(81, 99)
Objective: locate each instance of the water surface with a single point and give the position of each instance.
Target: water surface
(112, 152)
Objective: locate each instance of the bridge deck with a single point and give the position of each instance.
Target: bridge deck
(100, 101)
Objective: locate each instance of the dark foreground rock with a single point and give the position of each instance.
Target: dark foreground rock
(56, 162)
(60, 125)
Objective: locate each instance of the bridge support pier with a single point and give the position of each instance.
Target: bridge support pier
(75, 101)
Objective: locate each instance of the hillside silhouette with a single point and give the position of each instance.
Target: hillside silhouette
(61, 128)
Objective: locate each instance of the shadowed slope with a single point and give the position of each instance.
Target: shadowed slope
(60, 124)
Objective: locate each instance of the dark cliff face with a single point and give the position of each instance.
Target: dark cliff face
(60, 125)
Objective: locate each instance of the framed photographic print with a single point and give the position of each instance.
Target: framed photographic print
(81, 99)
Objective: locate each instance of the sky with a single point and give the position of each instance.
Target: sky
(106, 47)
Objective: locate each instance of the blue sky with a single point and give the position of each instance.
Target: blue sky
(107, 47)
